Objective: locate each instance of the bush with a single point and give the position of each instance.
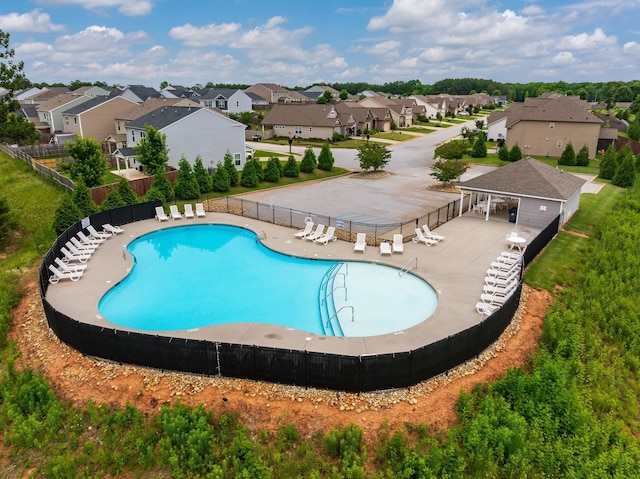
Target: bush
(272, 171)
(503, 153)
(625, 176)
(6, 222)
(448, 170)
(515, 154)
(126, 192)
(325, 159)
(163, 185)
(202, 176)
(479, 149)
(250, 176)
(221, 181)
(608, 163)
(154, 194)
(66, 215)
(308, 163)
(231, 169)
(452, 150)
(186, 185)
(82, 199)
(291, 168)
(112, 201)
(568, 156)
(582, 158)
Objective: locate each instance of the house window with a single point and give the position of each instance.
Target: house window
(208, 103)
(559, 144)
(237, 159)
(133, 136)
(66, 120)
(298, 130)
(552, 125)
(142, 134)
(75, 120)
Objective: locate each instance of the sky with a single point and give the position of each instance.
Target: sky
(299, 43)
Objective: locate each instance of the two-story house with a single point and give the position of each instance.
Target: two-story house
(227, 100)
(309, 121)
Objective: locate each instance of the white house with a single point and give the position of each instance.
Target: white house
(191, 132)
(227, 100)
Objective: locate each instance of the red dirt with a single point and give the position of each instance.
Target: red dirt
(78, 378)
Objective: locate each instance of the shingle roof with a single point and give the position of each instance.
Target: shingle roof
(299, 115)
(75, 110)
(162, 117)
(59, 100)
(567, 109)
(527, 177)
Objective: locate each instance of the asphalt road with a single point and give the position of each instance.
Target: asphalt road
(401, 196)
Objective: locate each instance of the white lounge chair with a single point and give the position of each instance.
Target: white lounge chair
(421, 238)
(69, 266)
(361, 242)
(385, 248)
(174, 213)
(308, 228)
(317, 233)
(503, 274)
(328, 236)
(75, 246)
(430, 234)
(200, 210)
(94, 233)
(90, 241)
(486, 308)
(497, 289)
(58, 275)
(496, 281)
(161, 215)
(114, 230)
(398, 243)
(70, 256)
(494, 298)
(188, 211)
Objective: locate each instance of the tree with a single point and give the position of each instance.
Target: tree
(126, 192)
(202, 176)
(568, 156)
(221, 181)
(448, 170)
(186, 185)
(515, 154)
(152, 151)
(325, 158)
(88, 165)
(582, 158)
(6, 222)
(452, 150)
(11, 77)
(291, 168)
(503, 153)
(608, 163)
(231, 169)
(17, 129)
(112, 201)
(625, 176)
(634, 129)
(66, 214)
(344, 94)
(82, 199)
(250, 176)
(272, 170)
(308, 163)
(326, 97)
(373, 155)
(162, 184)
(479, 149)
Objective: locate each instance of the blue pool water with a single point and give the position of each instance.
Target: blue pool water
(194, 276)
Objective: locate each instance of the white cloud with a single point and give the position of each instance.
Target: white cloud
(564, 58)
(34, 21)
(207, 35)
(585, 41)
(126, 7)
(631, 47)
(99, 39)
(533, 11)
(29, 50)
(388, 48)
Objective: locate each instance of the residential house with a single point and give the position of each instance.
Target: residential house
(93, 91)
(192, 132)
(228, 100)
(309, 121)
(543, 126)
(96, 118)
(275, 94)
(118, 139)
(257, 102)
(22, 95)
(367, 119)
(51, 110)
(139, 93)
(45, 95)
(401, 111)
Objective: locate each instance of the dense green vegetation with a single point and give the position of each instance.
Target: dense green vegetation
(572, 411)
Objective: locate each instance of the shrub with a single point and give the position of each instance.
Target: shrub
(272, 171)
(325, 158)
(479, 149)
(291, 168)
(231, 169)
(82, 199)
(221, 182)
(6, 222)
(126, 192)
(250, 176)
(308, 163)
(515, 154)
(582, 158)
(448, 170)
(568, 156)
(113, 200)
(163, 185)
(66, 215)
(452, 150)
(186, 186)
(202, 176)
(625, 176)
(154, 194)
(503, 153)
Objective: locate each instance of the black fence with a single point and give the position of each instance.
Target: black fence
(302, 368)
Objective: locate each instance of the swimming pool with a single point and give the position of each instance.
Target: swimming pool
(190, 277)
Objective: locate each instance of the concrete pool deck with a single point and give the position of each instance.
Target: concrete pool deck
(455, 268)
